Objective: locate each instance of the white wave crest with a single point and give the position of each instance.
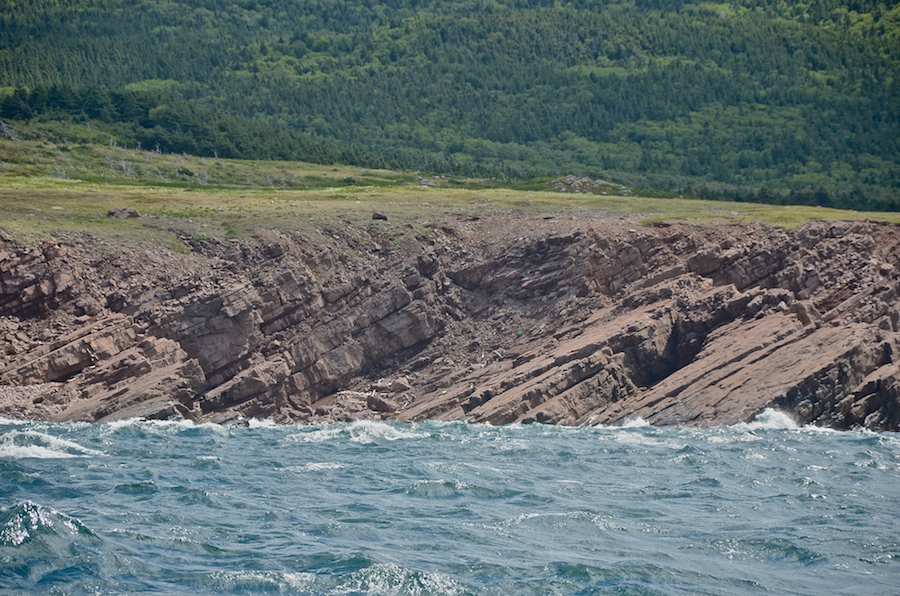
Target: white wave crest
(119, 424)
(638, 439)
(29, 518)
(361, 431)
(263, 580)
(636, 422)
(316, 467)
(166, 426)
(11, 422)
(390, 579)
(319, 435)
(770, 419)
(366, 431)
(38, 445)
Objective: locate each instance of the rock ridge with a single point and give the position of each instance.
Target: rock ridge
(497, 319)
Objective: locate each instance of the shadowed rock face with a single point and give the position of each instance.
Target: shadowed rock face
(503, 319)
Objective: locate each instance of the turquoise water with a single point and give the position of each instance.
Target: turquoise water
(373, 508)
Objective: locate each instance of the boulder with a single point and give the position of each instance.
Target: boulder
(124, 213)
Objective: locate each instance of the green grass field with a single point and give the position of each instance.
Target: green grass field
(48, 190)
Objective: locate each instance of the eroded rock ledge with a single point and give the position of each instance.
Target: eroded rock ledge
(500, 319)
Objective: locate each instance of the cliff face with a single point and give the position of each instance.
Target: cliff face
(500, 319)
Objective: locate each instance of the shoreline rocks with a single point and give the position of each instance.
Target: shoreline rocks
(499, 319)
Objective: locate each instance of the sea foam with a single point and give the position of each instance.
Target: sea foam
(38, 445)
(361, 431)
(27, 520)
(770, 419)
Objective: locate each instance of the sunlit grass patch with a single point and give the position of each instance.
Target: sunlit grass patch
(788, 218)
(330, 201)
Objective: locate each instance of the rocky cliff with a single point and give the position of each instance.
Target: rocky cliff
(496, 319)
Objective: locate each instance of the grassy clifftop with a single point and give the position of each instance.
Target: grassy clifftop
(49, 190)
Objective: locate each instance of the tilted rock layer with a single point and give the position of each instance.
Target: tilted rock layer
(502, 319)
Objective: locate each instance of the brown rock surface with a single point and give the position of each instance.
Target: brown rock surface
(498, 319)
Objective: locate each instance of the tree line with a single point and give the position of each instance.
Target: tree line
(749, 98)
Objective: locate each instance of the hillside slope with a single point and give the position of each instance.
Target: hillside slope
(754, 99)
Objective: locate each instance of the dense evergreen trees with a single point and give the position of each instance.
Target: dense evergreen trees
(753, 98)
(165, 122)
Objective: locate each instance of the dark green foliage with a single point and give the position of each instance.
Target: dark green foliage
(170, 124)
(719, 100)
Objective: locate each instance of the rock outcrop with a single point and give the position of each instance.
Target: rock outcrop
(497, 319)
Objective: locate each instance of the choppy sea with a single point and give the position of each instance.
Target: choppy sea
(447, 509)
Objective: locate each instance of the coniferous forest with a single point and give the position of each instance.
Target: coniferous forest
(762, 100)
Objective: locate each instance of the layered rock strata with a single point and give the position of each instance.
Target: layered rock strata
(502, 319)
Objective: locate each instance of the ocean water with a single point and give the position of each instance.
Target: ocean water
(447, 509)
